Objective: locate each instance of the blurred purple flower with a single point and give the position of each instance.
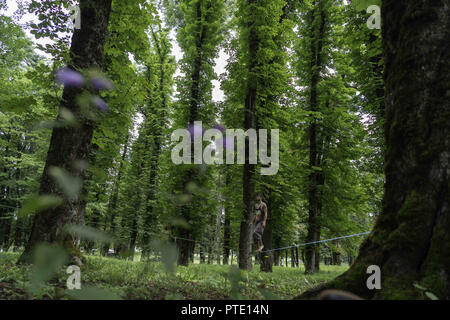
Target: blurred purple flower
(196, 131)
(100, 83)
(69, 77)
(220, 128)
(101, 104)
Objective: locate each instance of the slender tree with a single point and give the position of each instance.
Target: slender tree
(199, 37)
(318, 21)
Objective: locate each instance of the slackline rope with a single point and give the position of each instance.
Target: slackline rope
(314, 242)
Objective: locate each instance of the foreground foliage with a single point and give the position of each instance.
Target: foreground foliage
(108, 278)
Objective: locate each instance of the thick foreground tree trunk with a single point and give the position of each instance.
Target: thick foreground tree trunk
(411, 240)
(72, 144)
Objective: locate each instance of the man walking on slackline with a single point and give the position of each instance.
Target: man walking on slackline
(260, 219)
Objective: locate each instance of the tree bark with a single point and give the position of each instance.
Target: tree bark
(202, 253)
(410, 241)
(94, 223)
(192, 252)
(276, 254)
(314, 198)
(133, 238)
(156, 131)
(71, 144)
(245, 239)
(5, 217)
(336, 255)
(286, 255)
(267, 257)
(113, 203)
(194, 101)
(226, 229)
(292, 258)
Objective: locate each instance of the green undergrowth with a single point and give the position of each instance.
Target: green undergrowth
(109, 278)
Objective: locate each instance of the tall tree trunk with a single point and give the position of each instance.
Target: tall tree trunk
(267, 257)
(18, 234)
(156, 132)
(192, 252)
(314, 199)
(336, 255)
(410, 241)
(317, 257)
(276, 254)
(194, 99)
(218, 219)
(226, 237)
(286, 255)
(71, 144)
(5, 219)
(6, 229)
(184, 247)
(210, 253)
(226, 223)
(245, 239)
(202, 253)
(218, 230)
(133, 238)
(292, 258)
(94, 223)
(115, 196)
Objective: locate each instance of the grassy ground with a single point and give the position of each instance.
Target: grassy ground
(108, 278)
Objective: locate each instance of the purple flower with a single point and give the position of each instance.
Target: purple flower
(195, 131)
(69, 77)
(100, 83)
(220, 128)
(101, 104)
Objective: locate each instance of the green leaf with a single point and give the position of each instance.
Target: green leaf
(235, 277)
(48, 260)
(169, 254)
(89, 233)
(180, 222)
(431, 296)
(71, 186)
(39, 204)
(415, 284)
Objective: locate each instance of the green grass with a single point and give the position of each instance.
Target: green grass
(104, 278)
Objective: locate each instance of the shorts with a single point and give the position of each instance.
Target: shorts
(258, 231)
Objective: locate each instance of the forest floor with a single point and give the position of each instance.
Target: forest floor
(109, 278)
